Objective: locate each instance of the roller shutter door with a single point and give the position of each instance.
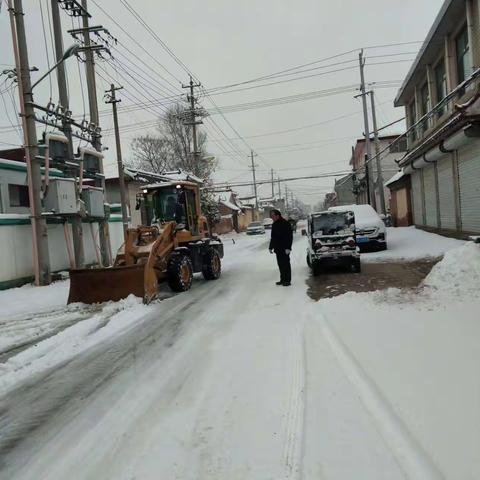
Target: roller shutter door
(469, 182)
(446, 193)
(430, 190)
(417, 198)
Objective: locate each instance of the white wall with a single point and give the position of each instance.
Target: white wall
(16, 253)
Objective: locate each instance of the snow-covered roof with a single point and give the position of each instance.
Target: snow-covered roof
(144, 176)
(396, 177)
(229, 205)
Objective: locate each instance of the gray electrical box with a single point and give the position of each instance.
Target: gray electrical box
(93, 198)
(60, 197)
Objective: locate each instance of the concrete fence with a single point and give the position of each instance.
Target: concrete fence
(16, 264)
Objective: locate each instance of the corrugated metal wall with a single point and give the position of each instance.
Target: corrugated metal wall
(446, 192)
(469, 182)
(430, 189)
(417, 198)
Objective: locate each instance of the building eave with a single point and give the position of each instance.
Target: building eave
(429, 48)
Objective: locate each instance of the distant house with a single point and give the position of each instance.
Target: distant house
(442, 106)
(363, 184)
(229, 214)
(330, 200)
(400, 199)
(344, 190)
(134, 181)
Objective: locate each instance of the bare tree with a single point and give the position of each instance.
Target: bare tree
(171, 147)
(151, 153)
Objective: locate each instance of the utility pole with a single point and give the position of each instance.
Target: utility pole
(381, 191)
(121, 177)
(41, 258)
(365, 121)
(254, 178)
(286, 198)
(193, 122)
(273, 187)
(104, 235)
(77, 232)
(279, 189)
(367, 177)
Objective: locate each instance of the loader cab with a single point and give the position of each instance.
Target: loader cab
(171, 203)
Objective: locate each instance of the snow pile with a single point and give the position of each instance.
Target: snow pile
(115, 318)
(17, 301)
(458, 274)
(410, 243)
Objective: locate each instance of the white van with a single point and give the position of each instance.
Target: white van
(369, 227)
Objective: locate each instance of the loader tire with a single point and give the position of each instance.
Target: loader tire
(180, 273)
(212, 266)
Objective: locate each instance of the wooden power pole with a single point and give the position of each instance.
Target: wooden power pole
(365, 122)
(111, 98)
(379, 183)
(41, 258)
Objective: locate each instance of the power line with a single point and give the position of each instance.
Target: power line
(147, 27)
(136, 43)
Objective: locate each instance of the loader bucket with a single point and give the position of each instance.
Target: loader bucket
(99, 285)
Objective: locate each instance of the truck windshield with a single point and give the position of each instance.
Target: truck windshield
(168, 205)
(333, 224)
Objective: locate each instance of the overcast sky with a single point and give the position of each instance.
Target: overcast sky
(226, 42)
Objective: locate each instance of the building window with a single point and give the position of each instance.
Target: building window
(425, 105)
(18, 195)
(400, 146)
(462, 49)
(441, 85)
(412, 116)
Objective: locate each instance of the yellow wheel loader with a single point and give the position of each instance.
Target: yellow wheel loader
(172, 245)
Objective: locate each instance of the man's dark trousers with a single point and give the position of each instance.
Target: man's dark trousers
(283, 261)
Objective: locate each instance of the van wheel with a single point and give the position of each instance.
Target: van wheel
(316, 269)
(356, 266)
(309, 263)
(212, 267)
(180, 273)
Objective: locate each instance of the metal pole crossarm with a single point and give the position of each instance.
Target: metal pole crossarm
(74, 8)
(93, 29)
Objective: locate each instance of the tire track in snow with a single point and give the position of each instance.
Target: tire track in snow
(409, 454)
(293, 447)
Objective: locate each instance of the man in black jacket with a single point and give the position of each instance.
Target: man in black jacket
(281, 244)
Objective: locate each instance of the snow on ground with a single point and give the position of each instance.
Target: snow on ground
(409, 244)
(413, 359)
(87, 330)
(242, 379)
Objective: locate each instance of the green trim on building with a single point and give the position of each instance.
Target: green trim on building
(14, 221)
(16, 282)
(23, 168)
(53, 221)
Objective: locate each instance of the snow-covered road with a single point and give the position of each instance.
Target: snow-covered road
(242, 379)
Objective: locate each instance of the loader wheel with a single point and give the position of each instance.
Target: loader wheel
(180, 273)
(212, 266)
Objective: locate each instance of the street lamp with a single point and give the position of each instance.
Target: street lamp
(70, 51)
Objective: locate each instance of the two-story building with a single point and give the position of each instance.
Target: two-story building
(441, 98)
(364, 185)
